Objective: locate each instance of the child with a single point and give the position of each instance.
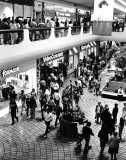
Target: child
(114, 146)
(121, 126)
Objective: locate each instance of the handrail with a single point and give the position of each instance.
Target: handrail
(35, 34)
(58, 28)
(11, 30)
(76, 26)
(39, 29)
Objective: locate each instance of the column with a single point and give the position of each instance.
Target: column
(23, 10)
(43, 12)
(13, 8)
(34, 16)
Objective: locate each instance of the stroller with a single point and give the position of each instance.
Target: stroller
(78, 146)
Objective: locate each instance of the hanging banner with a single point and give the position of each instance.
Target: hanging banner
(102, 17)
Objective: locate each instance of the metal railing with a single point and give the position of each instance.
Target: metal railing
(75, 30)
(39, 33)
(11, 37)
(61, 32)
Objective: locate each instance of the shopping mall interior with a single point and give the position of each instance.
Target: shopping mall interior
(62, 79)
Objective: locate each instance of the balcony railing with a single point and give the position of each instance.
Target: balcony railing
(75, 30)
(61, 32)
(39, 34)
(11, 37)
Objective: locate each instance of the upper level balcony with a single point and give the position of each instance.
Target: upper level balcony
(19, 46)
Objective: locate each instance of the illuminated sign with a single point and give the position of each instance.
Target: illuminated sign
(63, 14)
(83, 47)
(38, 6)
(10, 71)
(52, 57)
(103, 10)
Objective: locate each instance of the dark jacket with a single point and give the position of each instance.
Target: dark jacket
(32, 102)
(87, 132)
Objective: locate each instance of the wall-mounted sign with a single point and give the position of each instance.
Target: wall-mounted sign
(10, 71)
(38, 6)
(83, 47)
(102, 17)
(103, 10)
(63, 14)
(52, 57)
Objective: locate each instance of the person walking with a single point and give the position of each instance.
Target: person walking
(13, 107)
(115, 112)
(48, 118)
(121, 126)
(98, 111)
(22, 97)
(114, 146)
(86, 133)
(103, 137)
(33, 105)
(58, 112)
(43, 103)
(27, 104)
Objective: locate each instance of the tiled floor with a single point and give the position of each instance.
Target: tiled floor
(23, 141)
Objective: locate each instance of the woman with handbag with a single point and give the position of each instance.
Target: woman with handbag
(114, 146)
(48, 118)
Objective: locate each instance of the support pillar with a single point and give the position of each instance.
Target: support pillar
(13, 8)
(34, 16)
(43, 12)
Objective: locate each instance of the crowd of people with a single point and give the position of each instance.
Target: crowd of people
(52, 102)
(109, 128)
(36, 28)
(118, 25)
(109, 134)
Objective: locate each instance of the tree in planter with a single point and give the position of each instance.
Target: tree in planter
(121, 62)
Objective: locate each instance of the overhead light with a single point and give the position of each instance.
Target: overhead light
(75, 50)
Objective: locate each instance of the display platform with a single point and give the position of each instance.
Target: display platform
(111, 90)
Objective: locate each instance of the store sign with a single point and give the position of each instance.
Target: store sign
(52, 57)
(10, 71)
(103, 10)
(83, 47)
(102, 17)
(38, 6)
(62, 14)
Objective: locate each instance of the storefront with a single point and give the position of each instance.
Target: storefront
(48, 10)
(65, 62)
(83, 52)
(87, 49)
(22, 77)
(46, 64)
(15, 10)
(60, 12)
(73, 59)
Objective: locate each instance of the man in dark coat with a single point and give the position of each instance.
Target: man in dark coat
(33, 105)
(115, 112)
(58, 112)
(13, 106)
(86, 133)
